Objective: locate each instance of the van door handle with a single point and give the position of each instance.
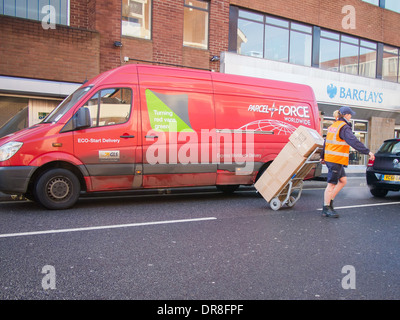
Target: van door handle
(126, 136)
(151, 137)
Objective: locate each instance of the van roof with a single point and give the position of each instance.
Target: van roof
(129, 72)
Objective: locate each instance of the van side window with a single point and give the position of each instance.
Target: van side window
(110, 106)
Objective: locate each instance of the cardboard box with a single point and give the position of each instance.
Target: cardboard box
(289, 162)
(306, 140)
(281, 170)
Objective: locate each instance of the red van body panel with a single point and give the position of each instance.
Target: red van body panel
(155, 127)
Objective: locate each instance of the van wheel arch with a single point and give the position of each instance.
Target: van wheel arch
(69, 174)
(53, 165)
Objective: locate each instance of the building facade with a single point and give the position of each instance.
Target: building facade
(346, 50)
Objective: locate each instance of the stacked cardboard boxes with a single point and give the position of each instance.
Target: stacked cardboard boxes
(291, 162)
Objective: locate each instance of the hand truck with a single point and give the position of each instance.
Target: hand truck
(295, 184)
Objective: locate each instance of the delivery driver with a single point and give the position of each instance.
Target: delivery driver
(336, 156)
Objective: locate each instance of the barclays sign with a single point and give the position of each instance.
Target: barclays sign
(352, 95)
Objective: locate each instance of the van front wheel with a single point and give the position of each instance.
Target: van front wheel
(57, 189)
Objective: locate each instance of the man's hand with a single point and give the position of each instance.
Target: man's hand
(371, 156)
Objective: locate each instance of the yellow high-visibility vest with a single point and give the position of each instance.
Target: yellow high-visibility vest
(336, 149)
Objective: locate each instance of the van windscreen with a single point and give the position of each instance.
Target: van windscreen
(67, 104)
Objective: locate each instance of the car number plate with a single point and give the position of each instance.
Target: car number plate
(388, 177)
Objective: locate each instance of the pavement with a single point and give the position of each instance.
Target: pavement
(351, 171)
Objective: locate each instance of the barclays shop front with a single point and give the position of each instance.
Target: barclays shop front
(376, 102)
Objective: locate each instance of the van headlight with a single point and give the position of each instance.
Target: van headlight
(9, 149)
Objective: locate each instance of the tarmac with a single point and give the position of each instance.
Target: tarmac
(351, 171)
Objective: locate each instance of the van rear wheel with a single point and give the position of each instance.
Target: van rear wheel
(57, 189)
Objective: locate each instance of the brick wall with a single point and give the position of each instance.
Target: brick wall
(166, 45)
(64, 54)
(79, 13)
(108, 24)
(86, 48)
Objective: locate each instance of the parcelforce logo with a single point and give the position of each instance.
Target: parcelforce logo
(286, 110)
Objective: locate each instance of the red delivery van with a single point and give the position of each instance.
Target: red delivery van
(141, 126)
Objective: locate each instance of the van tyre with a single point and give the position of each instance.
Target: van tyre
(57, 189)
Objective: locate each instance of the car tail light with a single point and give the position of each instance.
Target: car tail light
(370, 163)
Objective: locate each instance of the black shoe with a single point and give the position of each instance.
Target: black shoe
(328, 212)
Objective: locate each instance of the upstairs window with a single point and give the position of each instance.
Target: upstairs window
(390, 68)
(35, 9)
(136, 18)
(195, 24)
(393, 5)
(272, 38)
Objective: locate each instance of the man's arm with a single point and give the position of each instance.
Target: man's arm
(347, 135)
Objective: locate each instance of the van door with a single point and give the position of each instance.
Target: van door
(109, 147)
(177, 119)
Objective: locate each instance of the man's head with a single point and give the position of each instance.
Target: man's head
(346, 110)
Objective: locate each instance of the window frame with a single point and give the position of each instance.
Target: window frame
(351, 41)
(150, 22)
(207, 33)
(38, 12)
(397, 57)
(238, 15)
(97, 96)
(290, 26)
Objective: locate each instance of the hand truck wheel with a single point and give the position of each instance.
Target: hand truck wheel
(275, 204)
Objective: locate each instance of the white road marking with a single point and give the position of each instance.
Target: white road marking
(366, 205)
(31, 233)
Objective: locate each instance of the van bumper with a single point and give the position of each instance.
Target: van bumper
(14, 180)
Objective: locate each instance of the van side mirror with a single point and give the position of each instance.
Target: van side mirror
(82, 119)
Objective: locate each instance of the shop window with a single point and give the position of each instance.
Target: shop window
(136, 18)
(32, 9)
(13, 114)
(361, 126)
(195, 24)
